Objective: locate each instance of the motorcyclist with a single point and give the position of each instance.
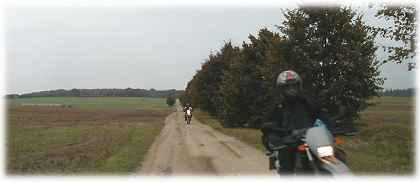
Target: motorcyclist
(294, 111)
(187, 107)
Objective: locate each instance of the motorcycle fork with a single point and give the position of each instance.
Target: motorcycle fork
(272, 162)
(311, 159)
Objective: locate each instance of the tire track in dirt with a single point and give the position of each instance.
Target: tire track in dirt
(197, 149)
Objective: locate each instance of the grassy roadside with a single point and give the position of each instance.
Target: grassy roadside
(249, 136)
(385, 144)
(129, 156)
(56, 140)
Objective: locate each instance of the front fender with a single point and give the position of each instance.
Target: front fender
(335, 168)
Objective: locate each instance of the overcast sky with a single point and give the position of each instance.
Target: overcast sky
(53, 47)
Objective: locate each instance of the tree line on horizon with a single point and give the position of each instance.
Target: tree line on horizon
(408, 92)
(331, 48)
(128, 92)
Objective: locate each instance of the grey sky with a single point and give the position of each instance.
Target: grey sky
(138, 47)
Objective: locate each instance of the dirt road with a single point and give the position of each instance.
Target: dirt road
(197, 149)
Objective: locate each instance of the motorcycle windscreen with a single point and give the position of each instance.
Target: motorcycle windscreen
(318, 137)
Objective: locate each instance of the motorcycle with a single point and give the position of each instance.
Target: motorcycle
(188, 116)
(317, 152)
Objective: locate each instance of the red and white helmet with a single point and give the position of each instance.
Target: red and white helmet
(289, 83)
(288, 77)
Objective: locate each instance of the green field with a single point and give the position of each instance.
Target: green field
(96, 135)
(384, 145)
(95, 102)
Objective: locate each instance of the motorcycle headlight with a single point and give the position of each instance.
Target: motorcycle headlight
(325, 151)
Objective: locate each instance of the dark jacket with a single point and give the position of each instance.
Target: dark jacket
(297, 113)
(300, 112)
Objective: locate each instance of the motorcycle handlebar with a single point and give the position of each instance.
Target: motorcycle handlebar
(299, 132)
(343, 132)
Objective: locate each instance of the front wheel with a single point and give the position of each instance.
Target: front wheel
(188, 119)
(337, 167)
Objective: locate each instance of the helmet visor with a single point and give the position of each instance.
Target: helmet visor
(291, 90)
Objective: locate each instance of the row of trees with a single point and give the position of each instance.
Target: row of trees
(128, 92)
(409, 92)
(331, 48)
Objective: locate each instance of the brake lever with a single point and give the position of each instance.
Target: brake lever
(299, 132)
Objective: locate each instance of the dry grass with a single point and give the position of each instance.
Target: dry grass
(385, 144)
(55, 140)
(248, 135)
